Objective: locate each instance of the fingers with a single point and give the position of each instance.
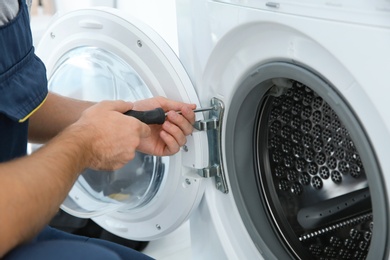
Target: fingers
(116, 105)
(184, 121)
(171, 144)
(169, 105)
(176, 128)
(175, 132)
(166, 139)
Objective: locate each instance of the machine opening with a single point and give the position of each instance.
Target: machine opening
(311, 175)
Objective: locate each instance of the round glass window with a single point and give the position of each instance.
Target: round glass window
(94, 74)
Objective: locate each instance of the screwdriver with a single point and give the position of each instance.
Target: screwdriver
(157, 115)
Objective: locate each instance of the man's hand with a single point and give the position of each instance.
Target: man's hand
(110, 136)
(166, 139)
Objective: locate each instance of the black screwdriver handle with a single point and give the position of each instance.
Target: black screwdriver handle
(155, 116)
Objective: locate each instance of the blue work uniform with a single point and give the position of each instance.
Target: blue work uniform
(23, 89)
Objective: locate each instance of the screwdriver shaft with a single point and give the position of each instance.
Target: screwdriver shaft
(157, 116)
(200, 109)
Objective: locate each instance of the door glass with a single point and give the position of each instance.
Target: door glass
(94, 74)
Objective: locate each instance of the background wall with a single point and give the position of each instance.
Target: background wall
(160, 15)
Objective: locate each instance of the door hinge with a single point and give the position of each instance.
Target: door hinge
(213, 126)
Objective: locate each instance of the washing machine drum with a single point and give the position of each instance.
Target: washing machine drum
(312, 177)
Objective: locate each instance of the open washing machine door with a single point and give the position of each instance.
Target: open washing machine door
(103, 54)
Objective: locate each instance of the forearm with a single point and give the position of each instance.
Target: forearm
(56, 114)
(33, 187)
(36, 185)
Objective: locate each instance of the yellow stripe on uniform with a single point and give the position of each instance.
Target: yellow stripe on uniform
(32, 112)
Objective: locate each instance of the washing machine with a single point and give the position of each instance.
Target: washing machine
(290, 163)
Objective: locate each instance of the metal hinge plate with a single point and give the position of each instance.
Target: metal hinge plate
(213, 126)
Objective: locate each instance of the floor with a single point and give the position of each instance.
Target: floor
(172, 247)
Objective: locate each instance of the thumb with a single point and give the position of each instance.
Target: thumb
(145, 131)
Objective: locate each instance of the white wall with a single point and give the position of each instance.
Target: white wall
(69, 5)
(158, 14)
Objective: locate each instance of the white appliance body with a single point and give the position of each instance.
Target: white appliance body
(226, 46)
(246, 54)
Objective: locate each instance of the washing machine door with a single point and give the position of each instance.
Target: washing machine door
(104, 54)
